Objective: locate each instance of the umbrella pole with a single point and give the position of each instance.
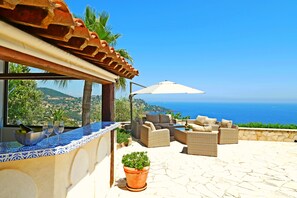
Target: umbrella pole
(131, 105)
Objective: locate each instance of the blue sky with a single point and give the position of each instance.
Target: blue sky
(233, 50)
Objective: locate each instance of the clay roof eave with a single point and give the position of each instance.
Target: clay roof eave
(52, 21)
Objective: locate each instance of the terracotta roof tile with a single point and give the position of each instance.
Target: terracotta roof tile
(52, 21)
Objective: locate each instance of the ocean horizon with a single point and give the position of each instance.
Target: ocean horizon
(239, 112)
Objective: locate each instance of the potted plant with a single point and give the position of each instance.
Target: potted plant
(136, 167)
(188, 127)
(123, 138)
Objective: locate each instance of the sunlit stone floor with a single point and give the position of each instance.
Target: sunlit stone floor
(247, 169)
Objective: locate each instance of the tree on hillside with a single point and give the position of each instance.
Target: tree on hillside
(24, 99)
(99, 24)
(122, 106)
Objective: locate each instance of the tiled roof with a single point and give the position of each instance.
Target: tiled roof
(52, 21)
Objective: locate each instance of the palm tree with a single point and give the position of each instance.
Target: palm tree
(100, 26)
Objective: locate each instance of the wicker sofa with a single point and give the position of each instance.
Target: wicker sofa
(159, 120)
(228, 133)
(162, 121)
(204, 121)
(202, 143)
(199, 142)
(151, 137)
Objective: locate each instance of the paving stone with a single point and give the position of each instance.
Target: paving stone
(289, 192)
(183, 180)
(248, 186)
(214, 189)
(292, 185)
(200, 179)
(265, 186)
(205, 191)
(249, 178)
(238, 191)
(275, 182)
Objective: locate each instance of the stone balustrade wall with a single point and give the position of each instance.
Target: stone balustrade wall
(267, 134)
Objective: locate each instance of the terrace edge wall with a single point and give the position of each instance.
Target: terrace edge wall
(267, 134)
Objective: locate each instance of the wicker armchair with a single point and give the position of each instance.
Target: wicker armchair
(228, 135)
(154, 138)
(202, 143)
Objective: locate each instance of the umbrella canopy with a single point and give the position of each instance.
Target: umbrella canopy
(168, 87)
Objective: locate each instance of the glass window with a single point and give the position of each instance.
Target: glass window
(34, 101)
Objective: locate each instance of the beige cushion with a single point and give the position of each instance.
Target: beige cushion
(200, 120)
(152, 118)
(210, 121)
(164, 118)
(197, 127)
(151, 125)
(208, 128)
(170, 116)
(226, 123)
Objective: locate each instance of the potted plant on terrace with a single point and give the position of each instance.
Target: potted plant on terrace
(123, 138)
(136, 167)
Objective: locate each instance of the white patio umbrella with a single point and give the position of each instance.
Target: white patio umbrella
(168, 87)
(164, 87)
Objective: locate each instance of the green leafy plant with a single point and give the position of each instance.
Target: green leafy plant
(122, 136)
(177, 115)
(262, 125)
(137, 160)
(58, 114)
(188, 127)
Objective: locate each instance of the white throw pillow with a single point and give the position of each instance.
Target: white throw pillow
(226, 123)
(210, 121)
(200, 120)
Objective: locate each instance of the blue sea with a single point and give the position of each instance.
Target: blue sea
(283, 113)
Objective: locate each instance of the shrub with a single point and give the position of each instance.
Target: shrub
(137, 160)
(177, 115)
(261, 125)
(122, 136)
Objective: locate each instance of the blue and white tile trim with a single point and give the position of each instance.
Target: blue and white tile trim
(11, 151)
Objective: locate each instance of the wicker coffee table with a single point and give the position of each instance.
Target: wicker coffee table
(180, 134)
(198, 143)
(173, 127)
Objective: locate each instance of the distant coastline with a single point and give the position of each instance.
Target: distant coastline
(239, 112)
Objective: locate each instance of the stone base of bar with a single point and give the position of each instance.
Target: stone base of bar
(83, 172)
(81, 166)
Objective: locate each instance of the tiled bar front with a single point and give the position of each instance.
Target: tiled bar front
(80, 167)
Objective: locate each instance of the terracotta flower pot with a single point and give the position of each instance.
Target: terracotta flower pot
(136, 179)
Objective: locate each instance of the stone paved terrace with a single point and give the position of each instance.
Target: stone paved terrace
(248, 169)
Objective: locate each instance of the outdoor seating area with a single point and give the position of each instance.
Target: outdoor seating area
(202, 138)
